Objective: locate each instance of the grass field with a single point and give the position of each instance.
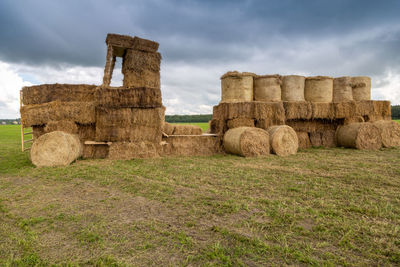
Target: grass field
(319, 207)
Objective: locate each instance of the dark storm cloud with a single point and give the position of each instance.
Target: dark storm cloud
(56, 32)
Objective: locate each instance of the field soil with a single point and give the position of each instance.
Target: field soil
(318, 207)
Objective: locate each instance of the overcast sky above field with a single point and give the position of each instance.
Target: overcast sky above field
(49, 41)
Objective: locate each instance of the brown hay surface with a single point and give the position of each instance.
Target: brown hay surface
(80, 112)
(312, 125)
(145, 78)
(293, 88)
(283, 140)
(345, 109)
(87, 132)
(298, 110)
(247, 142)
(45, 93)
(141, 61)
(168, 128)
(267, 88)
(382, 108)
(64, 125)
(361, 88)
(363, 135)
(354, 119)
(218, 126)
(95, 151)
(125, 41)
(323, 110)
(318, 89)
(201, 145)
(325, 139)
(138, 97)
(342, 89)
(237, 74)
(37, 131)
(364, 108)
(304, 140)
(237, 88)
(133, 150)
(390, 133)
(182, 129)
(55, 149)
(240, 122)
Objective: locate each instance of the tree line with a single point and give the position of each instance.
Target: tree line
(396, 112)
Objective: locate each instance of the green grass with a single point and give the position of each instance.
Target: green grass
(397, 121)
(318, 207)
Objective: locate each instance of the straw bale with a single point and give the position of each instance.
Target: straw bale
(304, 140)
(312, 125)
(64, 125)
(146, 78)
(240, 122)
(55, 149)
(373, 118)
(353, 120)
(272, 111)
(125, 41)
(129, 124)
(95, 151)
(322, 110)
(345, 109)
(133, 150)
(138, 97)
(44, 93)
(87, 132)
(298, 110)
(361, 88)
(168, 128)
(342, 89)
(325, 139)
(200, 145)
(364, 108)
(237, 87)
(81, 112)
(184, 129)
(217, 126)
(37, 131)
(390, 133)
(318, 89)
(283, 140)
(293, 88)
(382, 107)
(247, 142)
(267, 88)
(362, 135)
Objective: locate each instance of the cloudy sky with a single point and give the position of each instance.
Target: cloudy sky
(49, 41)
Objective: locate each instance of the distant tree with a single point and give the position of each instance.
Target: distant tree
(188, 118)
(396, 112)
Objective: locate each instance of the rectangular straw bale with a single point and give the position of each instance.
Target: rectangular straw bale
(266, 123)
(133, 150)
(239, 122)
(272, 111)
(95, 151)
(304, 140)
(298, 110)
(382, 108)
(218, 126)
(125, 41)
(239, 110)
(312, 125)
(168, 128)
(345, 109)
(138, 97)
(184, 129)
(133, 133)
(325, 139)
(44, 93)
(322, 110)
(219, 111)
(37, 131)
(141, 60)
(87, 132)
(201, 145)
(364, 108)
(80, 112)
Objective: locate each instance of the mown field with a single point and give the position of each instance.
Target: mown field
(319, 207)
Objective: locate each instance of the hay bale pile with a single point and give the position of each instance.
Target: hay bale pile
(313, 106)
(247, 142)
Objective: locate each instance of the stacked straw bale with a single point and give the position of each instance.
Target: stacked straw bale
(390, 133)
(304, 140)
(293, 88)
(132, 150)
(342, 89)
(124, 97)
(319, 89)
(361, 88)
(247, 142)
(267, 88)
(199, 145)
(237, 86)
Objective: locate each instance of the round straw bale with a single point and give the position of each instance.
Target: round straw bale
(390, 133)
(283, 140)
(361, 88)
(247, 141)
(361, 135)
(267, 88)
(293, 88)
(237, 87)
(319, 89)
(56, 149)
(342, 89)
